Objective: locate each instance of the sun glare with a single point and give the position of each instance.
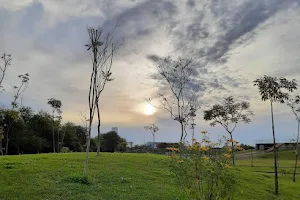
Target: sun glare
(149, 109)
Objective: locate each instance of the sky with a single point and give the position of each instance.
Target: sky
(235, 41)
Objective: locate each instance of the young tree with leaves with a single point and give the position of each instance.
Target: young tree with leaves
(275, 90)
(177, 79)
(56, 107)
(228, 115)
(153, 129)
(102, 48)
(294, 104)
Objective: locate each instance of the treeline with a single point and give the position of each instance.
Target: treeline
(25, 132)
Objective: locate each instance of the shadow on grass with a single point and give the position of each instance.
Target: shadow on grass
(76, 178)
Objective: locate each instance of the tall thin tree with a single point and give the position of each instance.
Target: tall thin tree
(56, 108)
(102, 51)
(6, 62)
(272, 89)
(14, 112)
(294, 104)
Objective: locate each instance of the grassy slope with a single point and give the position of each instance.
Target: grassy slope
(124, 176)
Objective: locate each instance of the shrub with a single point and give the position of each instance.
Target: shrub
(65, 150)
(201, 176)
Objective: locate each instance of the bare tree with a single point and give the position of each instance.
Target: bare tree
(14, 113)
(153, 129)
(272, 89)
(6, 59)
(56, 107)
(294, 104)
(102, 48)
(177, 88)
(228, 115)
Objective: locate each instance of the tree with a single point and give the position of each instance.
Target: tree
(122, 145)
(294, 104)
(110, 141)
(56, 107)
(102, 53)
(13, 114)
(6, 59)
(228, 115)
(275, 89)
(153, 129)
(178, 88)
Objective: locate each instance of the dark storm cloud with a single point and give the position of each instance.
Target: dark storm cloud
(235, 24)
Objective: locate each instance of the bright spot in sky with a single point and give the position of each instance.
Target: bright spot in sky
(149, 109)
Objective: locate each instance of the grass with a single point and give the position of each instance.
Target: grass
(126, 176)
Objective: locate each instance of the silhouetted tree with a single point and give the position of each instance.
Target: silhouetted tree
(110, 141)
(272, 89)
(153, 129)
(178, 86)
(228, 115)
(294, 104)
(56, 107)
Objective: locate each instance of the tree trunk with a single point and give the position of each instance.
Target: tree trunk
(182, 132)
(232, 147)
(87, 149)
(58, 142)
(275, 153)
(193, 136)
(6, 146)
(53, 137)
(296, 157)
(1, 148)
(252, 158)
(98, 127)
(153, 141)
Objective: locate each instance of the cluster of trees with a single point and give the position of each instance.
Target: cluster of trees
(34, 132)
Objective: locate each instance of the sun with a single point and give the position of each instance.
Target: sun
(149, 109)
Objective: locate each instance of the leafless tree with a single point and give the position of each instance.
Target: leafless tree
(153, 129)
(228, 115)
(102, 48)
(6, 59)
(294, 104)
(272, 89)
(177, 84)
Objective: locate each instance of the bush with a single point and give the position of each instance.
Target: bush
(65, 150)
(200, 176)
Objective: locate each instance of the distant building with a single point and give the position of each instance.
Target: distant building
(114, 129)
(267, 145)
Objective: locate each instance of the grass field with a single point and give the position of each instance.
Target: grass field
(126, 176)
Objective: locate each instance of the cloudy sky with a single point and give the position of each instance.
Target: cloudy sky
(235, 41)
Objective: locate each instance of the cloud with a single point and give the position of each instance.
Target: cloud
(233, 42)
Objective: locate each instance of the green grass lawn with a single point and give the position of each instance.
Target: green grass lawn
(125, 176)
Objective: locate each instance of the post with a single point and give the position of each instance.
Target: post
(275, 153)
(252, 158)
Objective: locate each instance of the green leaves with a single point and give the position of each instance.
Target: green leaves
(272, 88)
